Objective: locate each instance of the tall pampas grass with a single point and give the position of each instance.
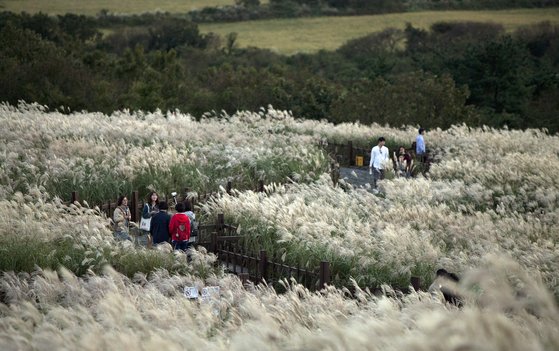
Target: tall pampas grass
(505, 308)
(488, 210)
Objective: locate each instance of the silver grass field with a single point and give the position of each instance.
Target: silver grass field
(488, 211)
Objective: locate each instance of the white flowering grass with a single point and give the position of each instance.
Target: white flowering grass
(507, 310)
(102, 156)
(491, 193)
(42, 232)
(418, 226)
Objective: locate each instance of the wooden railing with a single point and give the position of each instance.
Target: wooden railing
(223, 240)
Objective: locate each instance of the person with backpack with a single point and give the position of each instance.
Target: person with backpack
(179, 228)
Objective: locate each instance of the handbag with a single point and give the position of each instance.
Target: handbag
(145, 223)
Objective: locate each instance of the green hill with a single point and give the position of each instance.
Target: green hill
(289, 36)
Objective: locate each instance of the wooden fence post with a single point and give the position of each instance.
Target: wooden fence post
(324, 274)
(75, 196)
(220, 224)
(350, 153)
(263, 266)
(261, 186)
(213, 244)
(229, 186)
(415, 282)
(134, 206)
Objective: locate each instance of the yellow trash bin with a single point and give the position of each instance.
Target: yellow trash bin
(359, 161)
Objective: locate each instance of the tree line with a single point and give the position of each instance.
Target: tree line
(468, 72)
(244, 10)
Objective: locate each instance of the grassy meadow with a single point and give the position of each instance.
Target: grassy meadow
(489, 211)
(92, 7)
(307, 35)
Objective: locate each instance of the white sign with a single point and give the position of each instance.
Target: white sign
(210, 293)
(191, 292)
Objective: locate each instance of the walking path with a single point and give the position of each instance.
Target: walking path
(358, 177)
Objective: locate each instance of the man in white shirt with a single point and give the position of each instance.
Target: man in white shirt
(379, 155)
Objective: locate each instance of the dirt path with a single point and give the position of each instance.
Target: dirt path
(358, 177)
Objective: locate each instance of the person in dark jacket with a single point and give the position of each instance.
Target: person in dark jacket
(159, 226)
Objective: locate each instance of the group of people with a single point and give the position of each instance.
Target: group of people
(175, 229)
(403, 161)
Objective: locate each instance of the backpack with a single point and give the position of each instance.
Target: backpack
(182, 227)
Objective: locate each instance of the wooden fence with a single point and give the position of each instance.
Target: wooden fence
(222, 240)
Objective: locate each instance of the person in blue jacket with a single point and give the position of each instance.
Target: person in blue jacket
(420, 149)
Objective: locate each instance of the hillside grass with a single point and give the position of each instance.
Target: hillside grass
(308, 35)
(58, 7)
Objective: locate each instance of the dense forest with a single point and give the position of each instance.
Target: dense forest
(255, 9)
(452, 73)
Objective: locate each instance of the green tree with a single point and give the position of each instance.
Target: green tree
(34, 69)
(498, 75)
(411, 98)
(248, 3)
(175, 32)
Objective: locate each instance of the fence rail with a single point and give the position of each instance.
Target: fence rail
(223, 240)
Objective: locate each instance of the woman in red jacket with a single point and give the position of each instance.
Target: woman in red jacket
(179, 228)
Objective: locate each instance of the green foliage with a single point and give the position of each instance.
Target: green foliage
(37, 70)
(173, 33)
(452, 73)
(25, 255)
(430, 100)
(497, 73)
(248, 3)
